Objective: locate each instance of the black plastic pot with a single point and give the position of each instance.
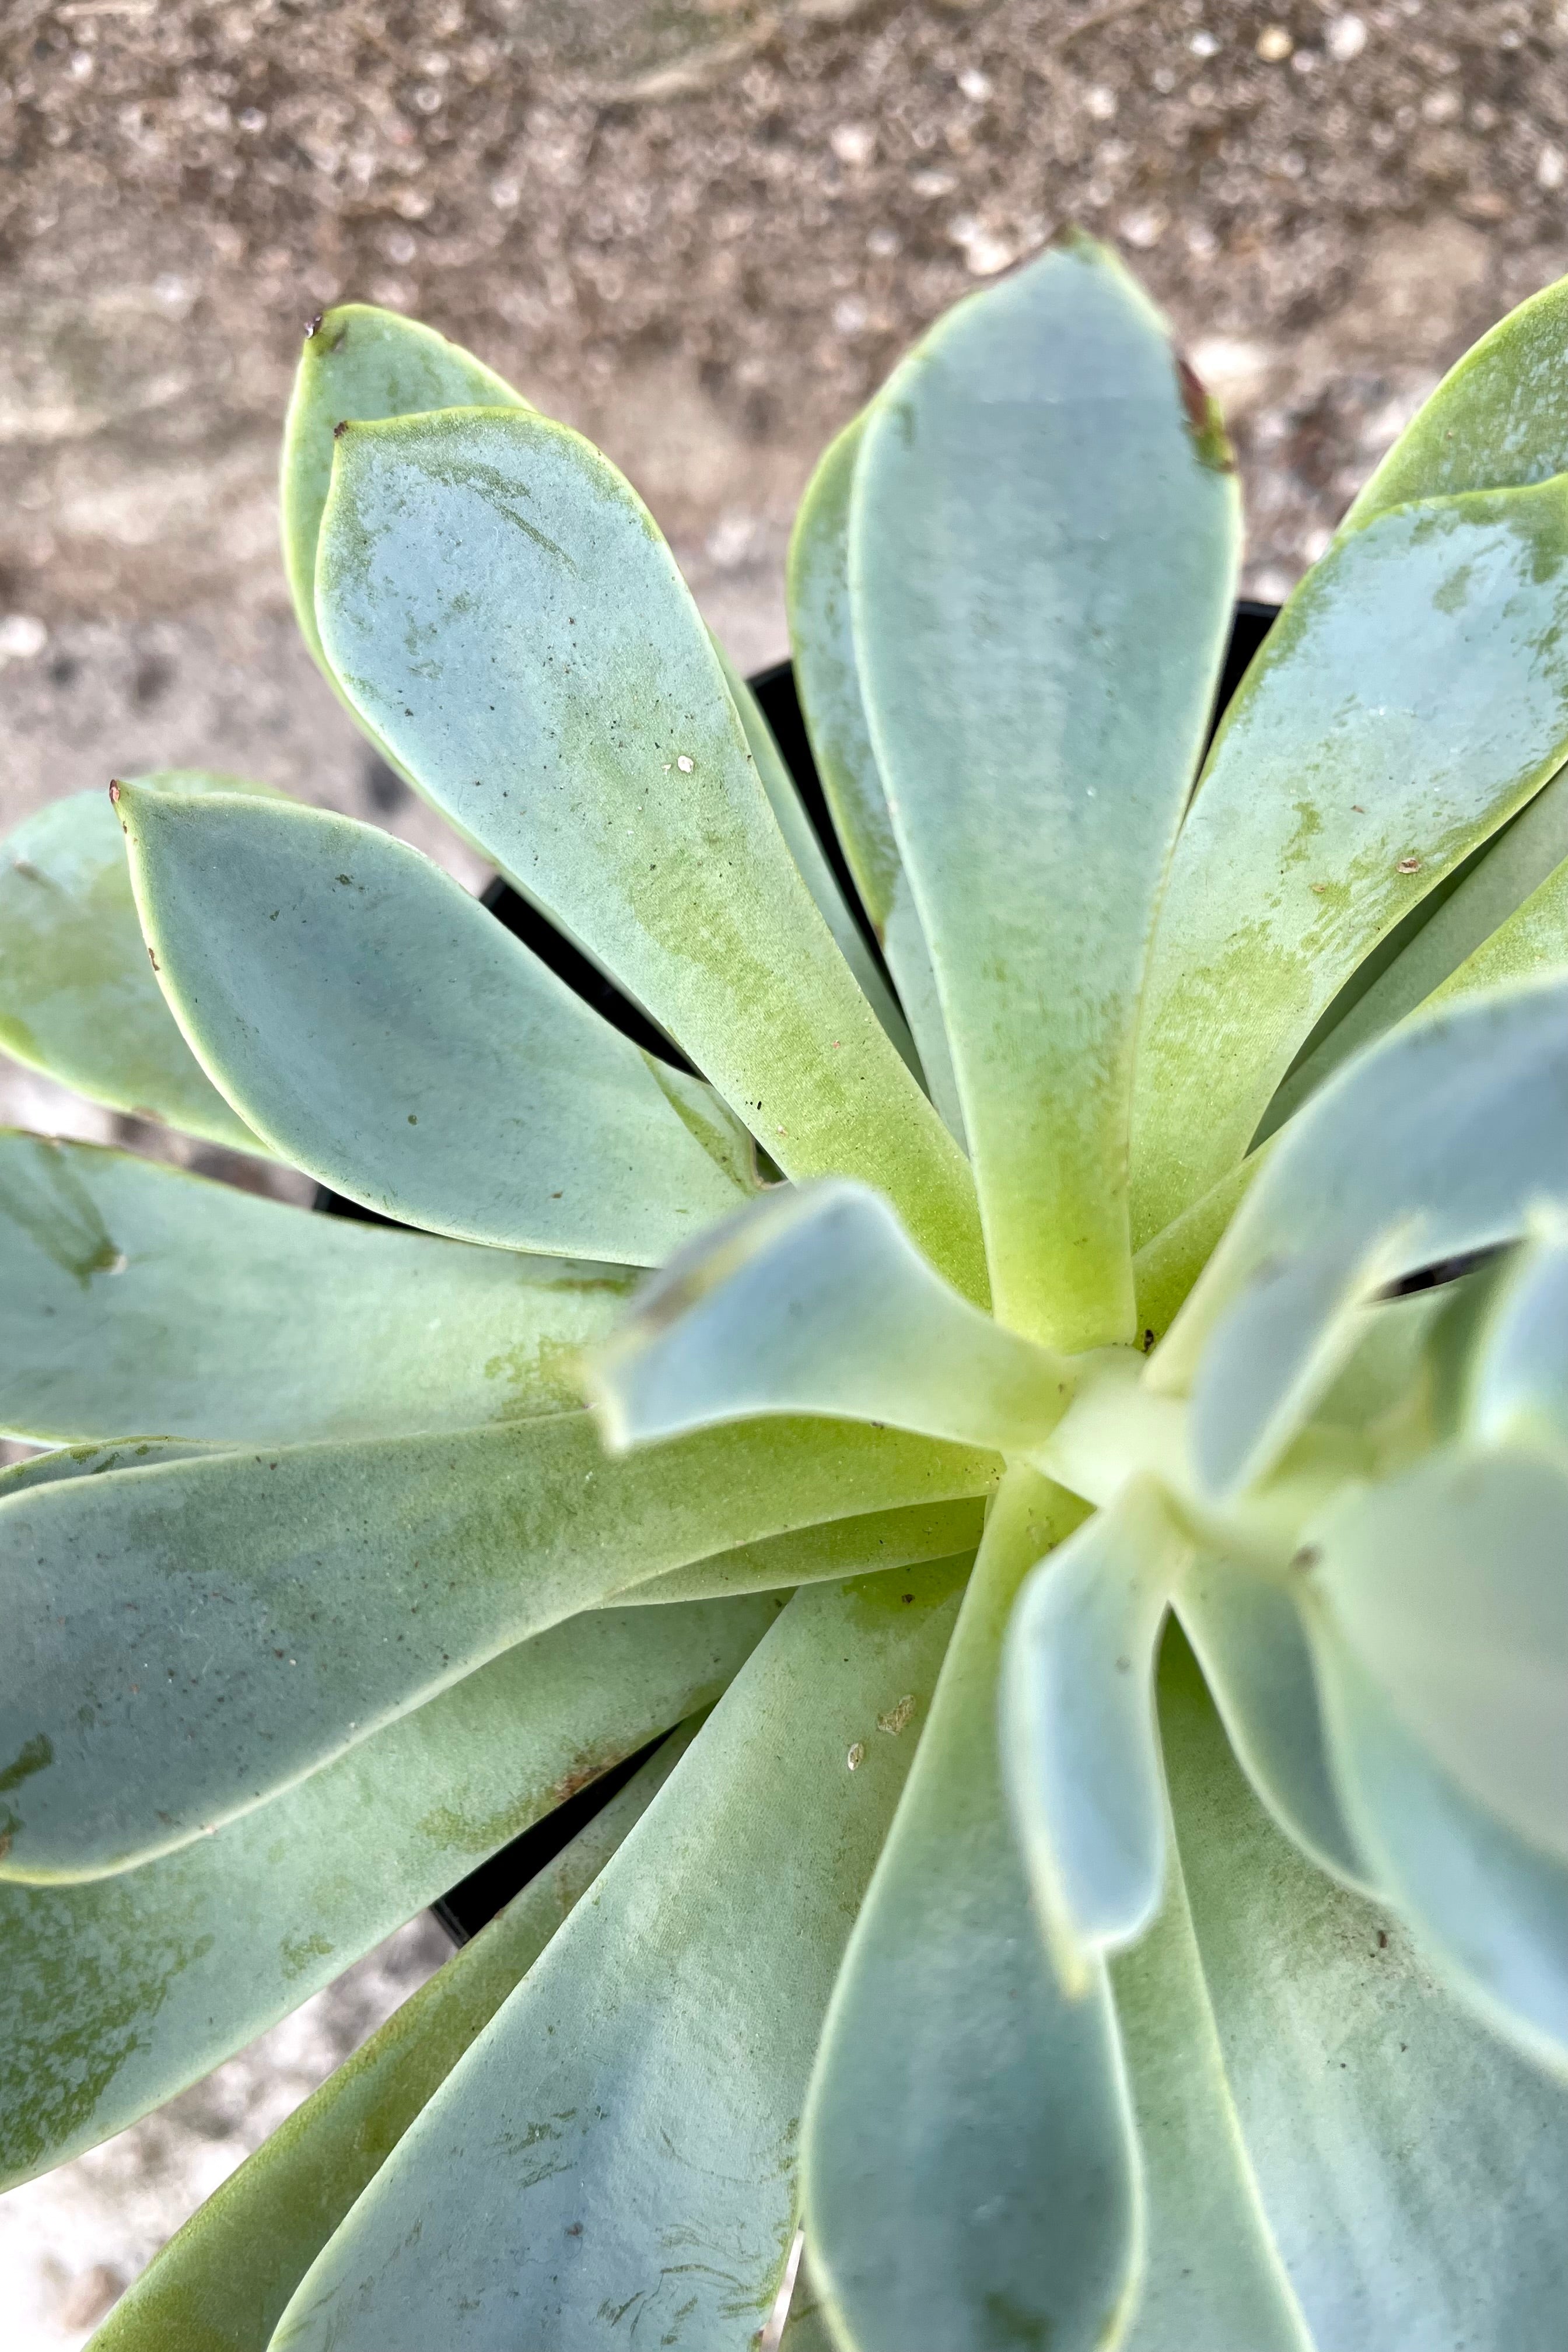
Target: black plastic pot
(486, 1890)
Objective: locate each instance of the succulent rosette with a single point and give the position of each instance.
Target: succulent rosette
(1047, 1380)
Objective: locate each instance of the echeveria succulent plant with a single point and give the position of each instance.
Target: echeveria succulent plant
(1084, 1489)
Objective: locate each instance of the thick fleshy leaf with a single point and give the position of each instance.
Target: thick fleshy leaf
(1488, 1906)
(1441, 1136)
(968, 2169)
(861, 1545)
(784, 799)
(1080, 1761)
(384, 1032)
(184, 1640)
(221, 2283)
(1257, 1662)
(115, 1995)
(498, 604)
(815, 1300)
(1042, 555)
(1378, 2114)
(619, 2148)
(359, 363)
(1274, 1352)
(1519, 1382)
(1507, 920)
(1448, 1585)
(78, 998)
(136, 1293)
(1212, 2277)
(1412, 696)
(828, 680)
(1498, 420)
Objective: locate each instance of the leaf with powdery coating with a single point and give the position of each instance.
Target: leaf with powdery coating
(116, 1994)
(828, 680)
(136, 1292)
(1498, 419)
(222, 2281)
(1043, 540)
(241, 1619)
(815, 1300)
(967, 2158)
(387, 1034)
(637, 2101)
(498, 602)
(1080, 1757)
(360, 362)
(1412, 696)
(78, 998)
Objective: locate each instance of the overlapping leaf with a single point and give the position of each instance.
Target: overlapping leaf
(360, 362)
(116, 1994)
(387, 1034)
(1438, 1141)
(1413, 2170)
(970, 2177)
(138, 1295)
(1042, 551)
(828, 680)
(498, 604)
(78, 998)
(619, 2148)
(222, 2281)
(1080, 1753)
(1412, 697)
(816, 1301)
(183, 1640)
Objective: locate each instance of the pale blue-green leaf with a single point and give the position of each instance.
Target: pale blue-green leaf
(1489, 1907)
(1411, 698)
(784, 799)
(815, 1300)
(1519, 1381)
(499, 603)
(1498, 419)
(828, 680)
(90, 1460)
(1257, 1662)
(1080, 1758)
(859, 1545)
(77, 996)
(1273, 1353)
(385, 1033)
(1447, 1131)
(1212, 2277)
(357, 362)
(618, 2151)
(969, 2174)
(1448, 1585)
(115, 1995)
(222, 2281)
(184, 1640)
(1413, 2169)
(1043, 540)
(135, 1293)
(1456, 946)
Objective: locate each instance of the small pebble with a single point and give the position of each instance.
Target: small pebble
(1346, 40)
(1274, 45)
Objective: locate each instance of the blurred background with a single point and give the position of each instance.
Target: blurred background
(703, 231)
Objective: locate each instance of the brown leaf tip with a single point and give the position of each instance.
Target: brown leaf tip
(114, 791)
(1204, 422)
(313, 326)
(340, 429)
